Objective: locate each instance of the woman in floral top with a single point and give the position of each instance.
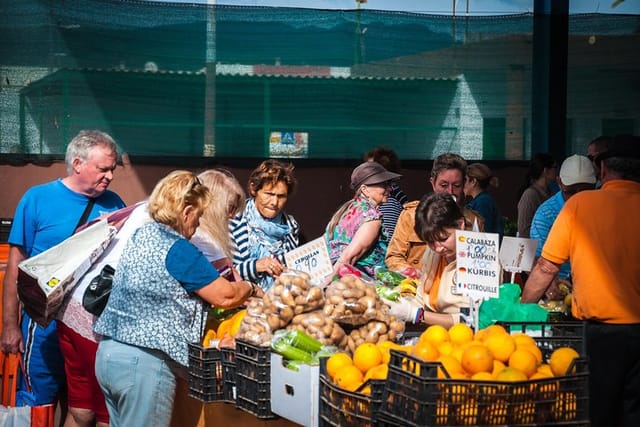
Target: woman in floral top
(355, 234)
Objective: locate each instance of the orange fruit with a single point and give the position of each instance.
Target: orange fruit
(533, 349)
(450, 364)
(425, 350)
(467, 413)
(524, 413)
(497, 367)
(445, 347)
(460, 333)
(545, 369)
(379, 372)
(495, 414)
(524, 361)
(457, 353)
(348, 377)
(561, 359)
(477, 358)
(545, 390)
(490, 331)
(501, 346)
(435, 334)
(510, 374)
(482, 376)
(366, 356)
(522, 338)
(565, 406)
(337, 361)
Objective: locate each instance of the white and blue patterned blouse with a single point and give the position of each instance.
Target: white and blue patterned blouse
(152, 304)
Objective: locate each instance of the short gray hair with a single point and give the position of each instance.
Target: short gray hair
(82, 144)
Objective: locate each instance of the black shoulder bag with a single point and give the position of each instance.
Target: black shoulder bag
(97, 293)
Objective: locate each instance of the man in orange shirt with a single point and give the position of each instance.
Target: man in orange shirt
(598, 231)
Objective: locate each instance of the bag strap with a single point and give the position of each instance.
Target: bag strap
(86, 212)
(9, 362)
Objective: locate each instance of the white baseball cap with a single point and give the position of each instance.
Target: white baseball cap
(577, 169)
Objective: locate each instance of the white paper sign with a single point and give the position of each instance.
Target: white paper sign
(477, 263)
(312, 258)
(518, 253)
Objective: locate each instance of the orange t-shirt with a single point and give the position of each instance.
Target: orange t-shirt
(599, 232)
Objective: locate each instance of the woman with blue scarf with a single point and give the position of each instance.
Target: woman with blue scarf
(263, 232)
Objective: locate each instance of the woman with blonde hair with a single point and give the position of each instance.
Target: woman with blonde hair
(479, 179)
(156, 306)
(212, 236)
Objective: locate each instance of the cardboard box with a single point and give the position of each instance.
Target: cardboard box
(294, 394)
(45, 279)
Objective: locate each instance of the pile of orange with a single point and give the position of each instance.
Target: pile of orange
(369, 361)
(491, 354)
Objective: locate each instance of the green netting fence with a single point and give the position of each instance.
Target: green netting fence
(195, 80)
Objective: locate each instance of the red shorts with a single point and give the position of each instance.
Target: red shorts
(79, 355)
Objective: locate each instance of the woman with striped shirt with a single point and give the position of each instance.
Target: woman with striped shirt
(264, 232)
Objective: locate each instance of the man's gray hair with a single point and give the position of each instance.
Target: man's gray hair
(84, 142)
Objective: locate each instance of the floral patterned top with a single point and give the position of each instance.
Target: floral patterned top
(359, 211)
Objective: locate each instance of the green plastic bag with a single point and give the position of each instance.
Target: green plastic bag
(507, 308)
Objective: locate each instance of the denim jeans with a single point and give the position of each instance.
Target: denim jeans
(138, 383)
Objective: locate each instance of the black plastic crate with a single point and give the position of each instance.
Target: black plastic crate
(414, 396)
(340, 407)
(228, 374)
(205, 373)
(552, 335)
(253, 379)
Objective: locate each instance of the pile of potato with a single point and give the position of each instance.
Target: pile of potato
(346, 314)
(351, 301)
(291, 294)
(320, 327)
(254, 327)
(375, 331)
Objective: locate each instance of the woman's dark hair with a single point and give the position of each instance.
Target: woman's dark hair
(271, 172)
(447, 161)
(385, 156)
(481, 173)
(435, 213)
(538, 163)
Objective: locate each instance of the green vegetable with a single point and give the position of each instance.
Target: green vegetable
(290, 352)
(301, 340)
(388, 277)
(388, 293)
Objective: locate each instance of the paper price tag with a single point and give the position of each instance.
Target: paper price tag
(518, 253)
(477, 263)
(312, 258)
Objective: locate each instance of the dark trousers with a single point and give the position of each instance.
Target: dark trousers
(614, 374)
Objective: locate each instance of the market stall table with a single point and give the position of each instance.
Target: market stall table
(190, 412)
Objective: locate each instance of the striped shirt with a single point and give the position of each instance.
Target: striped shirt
(391, 208)
(245, 265)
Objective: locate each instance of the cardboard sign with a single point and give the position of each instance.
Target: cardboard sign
(312, 258)
(518, 253)
(477, 263)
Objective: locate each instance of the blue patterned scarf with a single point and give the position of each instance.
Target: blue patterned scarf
(266, 238)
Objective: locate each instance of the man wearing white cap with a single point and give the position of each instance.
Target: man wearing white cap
(576, 174)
